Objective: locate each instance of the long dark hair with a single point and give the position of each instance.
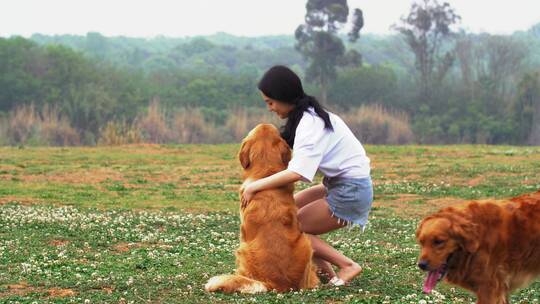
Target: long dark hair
(282, 84)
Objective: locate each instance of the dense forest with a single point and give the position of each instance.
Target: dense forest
(88, 90)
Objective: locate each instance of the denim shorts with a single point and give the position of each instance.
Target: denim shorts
(349, 199)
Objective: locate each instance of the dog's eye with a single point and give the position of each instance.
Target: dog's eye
(438, 242)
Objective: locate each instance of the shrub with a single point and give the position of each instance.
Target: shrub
(374, 124)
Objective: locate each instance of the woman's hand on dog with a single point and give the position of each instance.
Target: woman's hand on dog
(247, 195)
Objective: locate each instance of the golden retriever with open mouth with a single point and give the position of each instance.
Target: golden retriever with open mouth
(490, 247)
(273, 254)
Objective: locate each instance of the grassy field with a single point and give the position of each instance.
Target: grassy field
(150, 224)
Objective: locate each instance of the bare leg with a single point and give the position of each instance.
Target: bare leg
(303, 198)
(348, 268)
(325, 267)
(309, 195)
(316, 218)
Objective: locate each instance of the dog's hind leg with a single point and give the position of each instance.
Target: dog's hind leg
(230, 283)
(310, 279)
(491, 295)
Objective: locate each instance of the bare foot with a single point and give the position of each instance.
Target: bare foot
(346, 274)
(324, 269)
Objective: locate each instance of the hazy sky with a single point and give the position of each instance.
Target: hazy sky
(239, 17)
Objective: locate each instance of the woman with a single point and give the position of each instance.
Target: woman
(320, 141)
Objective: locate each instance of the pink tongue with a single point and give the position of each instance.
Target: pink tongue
(431, 281)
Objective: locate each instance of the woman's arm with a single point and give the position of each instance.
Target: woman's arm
(273, 181)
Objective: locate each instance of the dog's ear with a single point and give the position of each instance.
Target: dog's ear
(285, 151)
(419, 229)
(466, 232)
(243, 154)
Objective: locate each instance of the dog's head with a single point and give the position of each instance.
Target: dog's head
(439, 237)
(263, 148)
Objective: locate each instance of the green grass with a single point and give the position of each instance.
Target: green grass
(152, 223)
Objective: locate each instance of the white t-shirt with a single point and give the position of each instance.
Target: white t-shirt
(334, 153)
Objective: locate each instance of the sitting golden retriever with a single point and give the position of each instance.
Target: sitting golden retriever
(490, 247)
(273, 254)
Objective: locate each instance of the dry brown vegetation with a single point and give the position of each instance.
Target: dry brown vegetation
(28, 125)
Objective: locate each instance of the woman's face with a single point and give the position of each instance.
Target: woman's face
(282, 109)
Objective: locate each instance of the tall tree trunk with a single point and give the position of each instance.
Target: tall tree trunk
(534, 135)
(324, 91)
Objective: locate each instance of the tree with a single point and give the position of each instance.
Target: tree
(499, 62)
(364, 85)
(527, 109)
(21, 61)
(318, 42)
(491, 67)
(97, 45)
(535, 30)
(425, 29)
(534, 135)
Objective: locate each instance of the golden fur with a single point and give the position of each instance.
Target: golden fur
(273, 254)
(490, 247)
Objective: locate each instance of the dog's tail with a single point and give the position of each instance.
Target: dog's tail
(229, 283)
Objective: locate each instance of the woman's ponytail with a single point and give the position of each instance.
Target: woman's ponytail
(288, 131)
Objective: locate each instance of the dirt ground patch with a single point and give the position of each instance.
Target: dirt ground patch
(415, 206)
(61, 292)
(122, 247)
(126, 247)
(19, 289)
(21, 200)
(22, 289)
(91, 176)
(439, 203)
(475, 181)
(403, 198)
(58, 243)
